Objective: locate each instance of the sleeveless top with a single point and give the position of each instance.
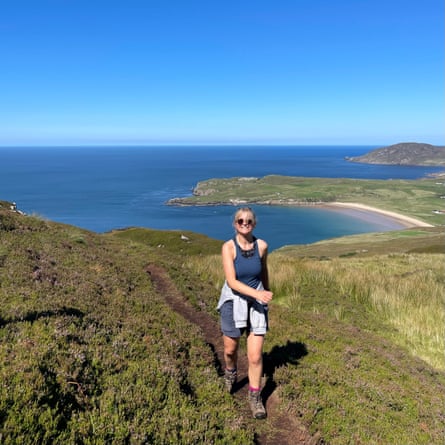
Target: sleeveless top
(248, 266)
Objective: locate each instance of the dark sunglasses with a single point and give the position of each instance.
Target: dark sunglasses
(247, 222)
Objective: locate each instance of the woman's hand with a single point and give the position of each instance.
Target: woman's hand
(265, 296)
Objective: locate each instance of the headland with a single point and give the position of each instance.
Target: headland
(409, 203)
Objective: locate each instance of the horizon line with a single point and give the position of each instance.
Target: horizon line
(204, 145)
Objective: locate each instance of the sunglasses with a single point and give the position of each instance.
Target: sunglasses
(241, 222)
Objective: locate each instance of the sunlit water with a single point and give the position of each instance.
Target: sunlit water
(105, 188)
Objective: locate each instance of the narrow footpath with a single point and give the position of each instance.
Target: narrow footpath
(282, 429)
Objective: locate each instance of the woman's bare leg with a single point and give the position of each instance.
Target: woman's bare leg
(230, 351)
(255, 358)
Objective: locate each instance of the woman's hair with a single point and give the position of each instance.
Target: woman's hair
(244, 210)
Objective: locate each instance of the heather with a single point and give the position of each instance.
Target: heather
(91, 352)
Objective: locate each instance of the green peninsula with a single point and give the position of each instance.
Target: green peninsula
(423, 199)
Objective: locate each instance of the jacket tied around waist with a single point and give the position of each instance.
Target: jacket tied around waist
(245, 309)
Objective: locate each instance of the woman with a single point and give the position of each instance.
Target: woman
(243, 304)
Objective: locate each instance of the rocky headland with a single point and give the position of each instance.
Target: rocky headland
(405, 153)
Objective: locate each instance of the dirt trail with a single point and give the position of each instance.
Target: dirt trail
(282, 428)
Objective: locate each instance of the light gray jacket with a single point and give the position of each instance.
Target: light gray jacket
(257, 314)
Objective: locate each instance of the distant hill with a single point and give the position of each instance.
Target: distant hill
(405, 153)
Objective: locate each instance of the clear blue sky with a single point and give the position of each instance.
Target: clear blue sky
(364, 72)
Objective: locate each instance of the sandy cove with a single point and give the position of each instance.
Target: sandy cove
(367, 212)
(405, 221)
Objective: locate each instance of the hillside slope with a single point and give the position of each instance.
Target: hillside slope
(92, 351)
(417, 240)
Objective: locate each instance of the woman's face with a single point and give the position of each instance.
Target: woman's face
(244, 222)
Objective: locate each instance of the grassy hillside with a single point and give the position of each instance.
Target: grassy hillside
(91, 353)
(415, 240)
(356, 344)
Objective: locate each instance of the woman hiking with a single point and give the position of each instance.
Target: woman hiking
(243, 304)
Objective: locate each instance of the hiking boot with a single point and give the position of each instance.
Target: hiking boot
(256, 405)
(230, 379)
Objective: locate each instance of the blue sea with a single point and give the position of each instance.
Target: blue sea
(106, 188)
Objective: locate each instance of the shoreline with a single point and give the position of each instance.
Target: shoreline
(355, 209)
(405, 221)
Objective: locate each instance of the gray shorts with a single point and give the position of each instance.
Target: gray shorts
(228, 327)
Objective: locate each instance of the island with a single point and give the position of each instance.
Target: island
(404, 153)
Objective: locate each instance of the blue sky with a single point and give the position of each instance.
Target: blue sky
(358, 72)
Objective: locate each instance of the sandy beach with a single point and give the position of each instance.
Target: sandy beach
(402, 220)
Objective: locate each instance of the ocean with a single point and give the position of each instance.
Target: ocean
(106, 188)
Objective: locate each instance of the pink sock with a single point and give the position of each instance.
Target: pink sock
(251, 388)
